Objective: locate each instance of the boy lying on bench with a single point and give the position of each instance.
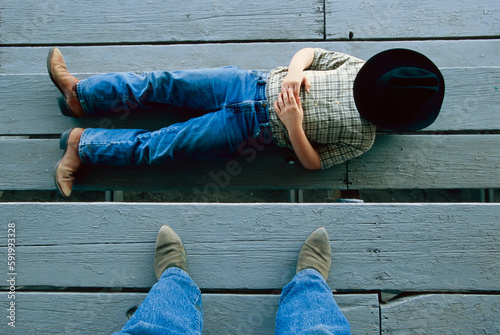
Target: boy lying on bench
(331, 120)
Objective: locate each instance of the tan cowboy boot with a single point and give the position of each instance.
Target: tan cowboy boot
(67, 168)
(169, 251)
(316, 253)
(65, 82)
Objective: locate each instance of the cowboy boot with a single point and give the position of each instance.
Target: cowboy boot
(67, 168)
(65, 82)
(169, 251)
(316, 253)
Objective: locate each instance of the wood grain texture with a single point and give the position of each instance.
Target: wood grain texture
(400, 247)
(30, 164)
(442, 314)
(438, 161)
(369, 19)
(395, 161)
(29, 106)
(143, 22)
(104, 313)
(129, 21)
(258, 55)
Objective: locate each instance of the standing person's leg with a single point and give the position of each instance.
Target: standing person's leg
(307, 305)
(173, 305)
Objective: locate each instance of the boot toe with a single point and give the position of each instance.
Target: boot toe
(316, 253)
(169, 251)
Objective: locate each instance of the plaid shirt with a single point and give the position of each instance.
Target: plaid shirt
(331, 121)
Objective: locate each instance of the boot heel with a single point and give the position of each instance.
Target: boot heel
(63, 142)
(63, 106)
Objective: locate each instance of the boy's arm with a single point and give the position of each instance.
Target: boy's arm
(295, 78)
(289, 110)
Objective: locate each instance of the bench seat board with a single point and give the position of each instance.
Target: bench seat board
(442, 314)
(423, 19)
(443, 161)
(439, 161)
(29, 106)
(257, 55)
(31, 163)
(103, 313)
(402, 247)
(150, 22)
(144, 22)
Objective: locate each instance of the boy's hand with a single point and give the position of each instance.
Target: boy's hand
(290, 112)
(289, 109)
(294, 80)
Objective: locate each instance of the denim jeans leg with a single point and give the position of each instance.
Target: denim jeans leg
(172, 306)
(203, 90)
(307, 306)
(215, 135)
(229, 96)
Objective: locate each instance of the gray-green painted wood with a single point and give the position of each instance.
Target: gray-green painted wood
(129, 21)
(395, 161)
(259, 55)
(439, 161)
(46, 22)
(418, 19)
(442, 314)
(398, 247)
(30, 164)
(29, 105)
(104, 313)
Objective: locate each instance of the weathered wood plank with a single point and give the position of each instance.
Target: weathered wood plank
(420, 19)
(261, 56)
(471, 100)
(402, 247)
(104, 313)
(439, 161)
(442, 314)
(30, 164)
(29, 105)
(129, 21)
(395, 161)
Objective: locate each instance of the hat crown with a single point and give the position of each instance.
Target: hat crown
(399, 89)
(406, 85)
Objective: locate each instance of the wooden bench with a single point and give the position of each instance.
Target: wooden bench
(460, 150)
(402, 268)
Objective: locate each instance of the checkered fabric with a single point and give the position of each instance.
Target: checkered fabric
(331, 121)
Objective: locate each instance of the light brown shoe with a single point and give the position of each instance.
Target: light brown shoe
(67, 168)
(316, 253)
(65, 82)
(169, 251)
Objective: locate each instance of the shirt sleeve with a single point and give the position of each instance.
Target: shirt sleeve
(337, 153)
(328, 60)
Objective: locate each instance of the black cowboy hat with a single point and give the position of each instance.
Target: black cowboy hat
(399, 89)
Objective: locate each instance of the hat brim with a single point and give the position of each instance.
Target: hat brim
(376, 67)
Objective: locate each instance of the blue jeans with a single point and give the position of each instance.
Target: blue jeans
(232, 102)
(173, 306)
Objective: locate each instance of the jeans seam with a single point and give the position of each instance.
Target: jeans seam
(81, 144)
(79, 94)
